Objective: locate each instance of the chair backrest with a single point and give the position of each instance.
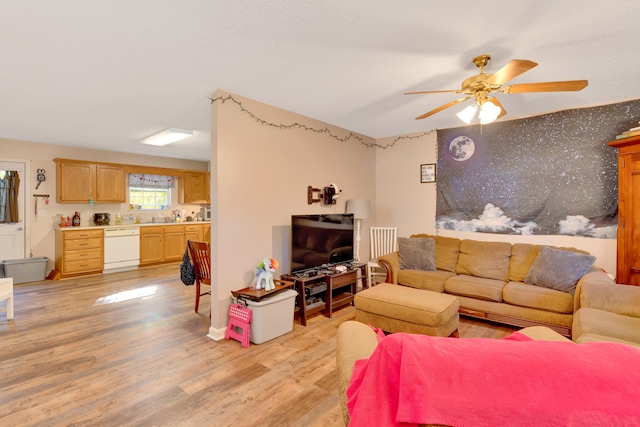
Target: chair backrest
(199, 252)
(383, 240)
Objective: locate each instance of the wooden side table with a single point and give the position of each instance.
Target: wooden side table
(341, 288)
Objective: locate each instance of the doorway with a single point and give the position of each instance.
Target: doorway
(13, 234)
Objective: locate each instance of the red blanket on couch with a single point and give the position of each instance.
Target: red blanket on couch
(417, 379)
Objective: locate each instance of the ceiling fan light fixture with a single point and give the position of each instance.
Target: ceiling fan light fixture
(468, 113)
(166, 136)
(488, 112)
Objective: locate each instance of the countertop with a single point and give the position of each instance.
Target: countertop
(143, 224)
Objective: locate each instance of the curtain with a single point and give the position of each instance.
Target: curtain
(151, 181)
(9, 186)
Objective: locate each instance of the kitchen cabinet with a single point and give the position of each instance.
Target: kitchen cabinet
(79, 182)
(195, 231)
(79, 252)
(159, 244)
(193, 187)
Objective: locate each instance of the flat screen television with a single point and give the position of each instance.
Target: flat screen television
(320, 240)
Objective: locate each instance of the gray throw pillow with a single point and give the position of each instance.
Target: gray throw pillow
(559, 270)
(417, 253)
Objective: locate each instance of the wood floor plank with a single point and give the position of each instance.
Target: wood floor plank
(126, 349)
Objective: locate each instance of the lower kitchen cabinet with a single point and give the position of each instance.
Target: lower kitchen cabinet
(198, 232)
(160, 244)
(79, 252)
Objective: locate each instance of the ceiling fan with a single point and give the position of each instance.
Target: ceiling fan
(480, 86)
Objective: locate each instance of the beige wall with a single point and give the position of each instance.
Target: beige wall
(40, 156)
(261, 174)
(403, 202)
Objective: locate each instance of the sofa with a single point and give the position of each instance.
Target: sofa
(409, 379)
(607, 312)
(356, 341)
(518, 284)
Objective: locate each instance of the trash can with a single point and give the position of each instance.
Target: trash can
(272, 316)
(25, 270)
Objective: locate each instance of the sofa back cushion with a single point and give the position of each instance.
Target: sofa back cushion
(522, 257)
(447, 251)
(484, 259)
(417, 254)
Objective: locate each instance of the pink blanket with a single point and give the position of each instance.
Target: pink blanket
(417, 379)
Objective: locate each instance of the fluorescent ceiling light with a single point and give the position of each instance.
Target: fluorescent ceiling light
(167, 136)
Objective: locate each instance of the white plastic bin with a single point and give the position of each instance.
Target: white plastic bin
(25, 270)
(272, 316)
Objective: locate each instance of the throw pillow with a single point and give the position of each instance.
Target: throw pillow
(417, 253)
(559, 270)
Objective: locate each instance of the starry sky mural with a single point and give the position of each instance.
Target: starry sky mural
(548, 174)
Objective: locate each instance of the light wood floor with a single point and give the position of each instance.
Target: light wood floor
(126, 349)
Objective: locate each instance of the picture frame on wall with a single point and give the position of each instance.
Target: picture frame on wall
(428, 173)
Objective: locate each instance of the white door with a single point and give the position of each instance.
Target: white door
(13, 236)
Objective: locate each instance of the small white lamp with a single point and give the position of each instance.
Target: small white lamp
(361, 209)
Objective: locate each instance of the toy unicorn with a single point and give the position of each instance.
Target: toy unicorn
(264, 274)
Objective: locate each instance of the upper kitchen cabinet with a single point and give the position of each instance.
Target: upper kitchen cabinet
(80, 181)
(194, 187)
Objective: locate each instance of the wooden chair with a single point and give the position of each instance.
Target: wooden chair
(382, 241)
(201, 259)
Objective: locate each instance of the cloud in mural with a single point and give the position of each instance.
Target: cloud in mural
(579, 225)
(492, 220)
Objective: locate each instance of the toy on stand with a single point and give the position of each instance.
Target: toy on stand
(264, 275)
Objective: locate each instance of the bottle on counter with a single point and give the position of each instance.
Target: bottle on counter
(76, 220)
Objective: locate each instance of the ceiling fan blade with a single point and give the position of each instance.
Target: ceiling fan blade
(513, 69)
(442, 107)
(433, 91)
(565, 86)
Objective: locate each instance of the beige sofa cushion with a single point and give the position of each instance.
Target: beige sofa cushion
(447, 251)
(605, 325)
(524, 295)
(522, 256)
(475, 287)
(484, 259)
(422, 279)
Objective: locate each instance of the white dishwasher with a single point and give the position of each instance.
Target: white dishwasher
(121, 249)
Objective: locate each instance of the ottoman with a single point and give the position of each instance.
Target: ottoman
(396, 308)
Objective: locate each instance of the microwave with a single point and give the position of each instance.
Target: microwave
(205, 213)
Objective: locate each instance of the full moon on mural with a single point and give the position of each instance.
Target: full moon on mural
(462, 148)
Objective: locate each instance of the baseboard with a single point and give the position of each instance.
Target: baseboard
(216, 334)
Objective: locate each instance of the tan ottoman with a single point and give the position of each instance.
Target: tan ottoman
(396, 308)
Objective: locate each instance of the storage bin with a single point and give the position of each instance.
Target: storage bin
(25, 270)
(272, 316)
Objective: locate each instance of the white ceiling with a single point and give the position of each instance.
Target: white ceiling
(104, 74)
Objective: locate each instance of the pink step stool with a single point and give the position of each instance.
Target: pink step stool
(239, 318)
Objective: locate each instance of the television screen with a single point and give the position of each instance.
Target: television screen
(318, 240)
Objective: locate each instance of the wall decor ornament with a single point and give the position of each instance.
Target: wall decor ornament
(551, 174)
(324, 130)
(428, 173)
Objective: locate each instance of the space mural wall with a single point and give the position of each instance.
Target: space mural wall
(548, 174)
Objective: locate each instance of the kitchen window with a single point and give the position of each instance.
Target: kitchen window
(150, 192)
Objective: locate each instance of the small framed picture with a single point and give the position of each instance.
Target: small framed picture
(428, 173)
